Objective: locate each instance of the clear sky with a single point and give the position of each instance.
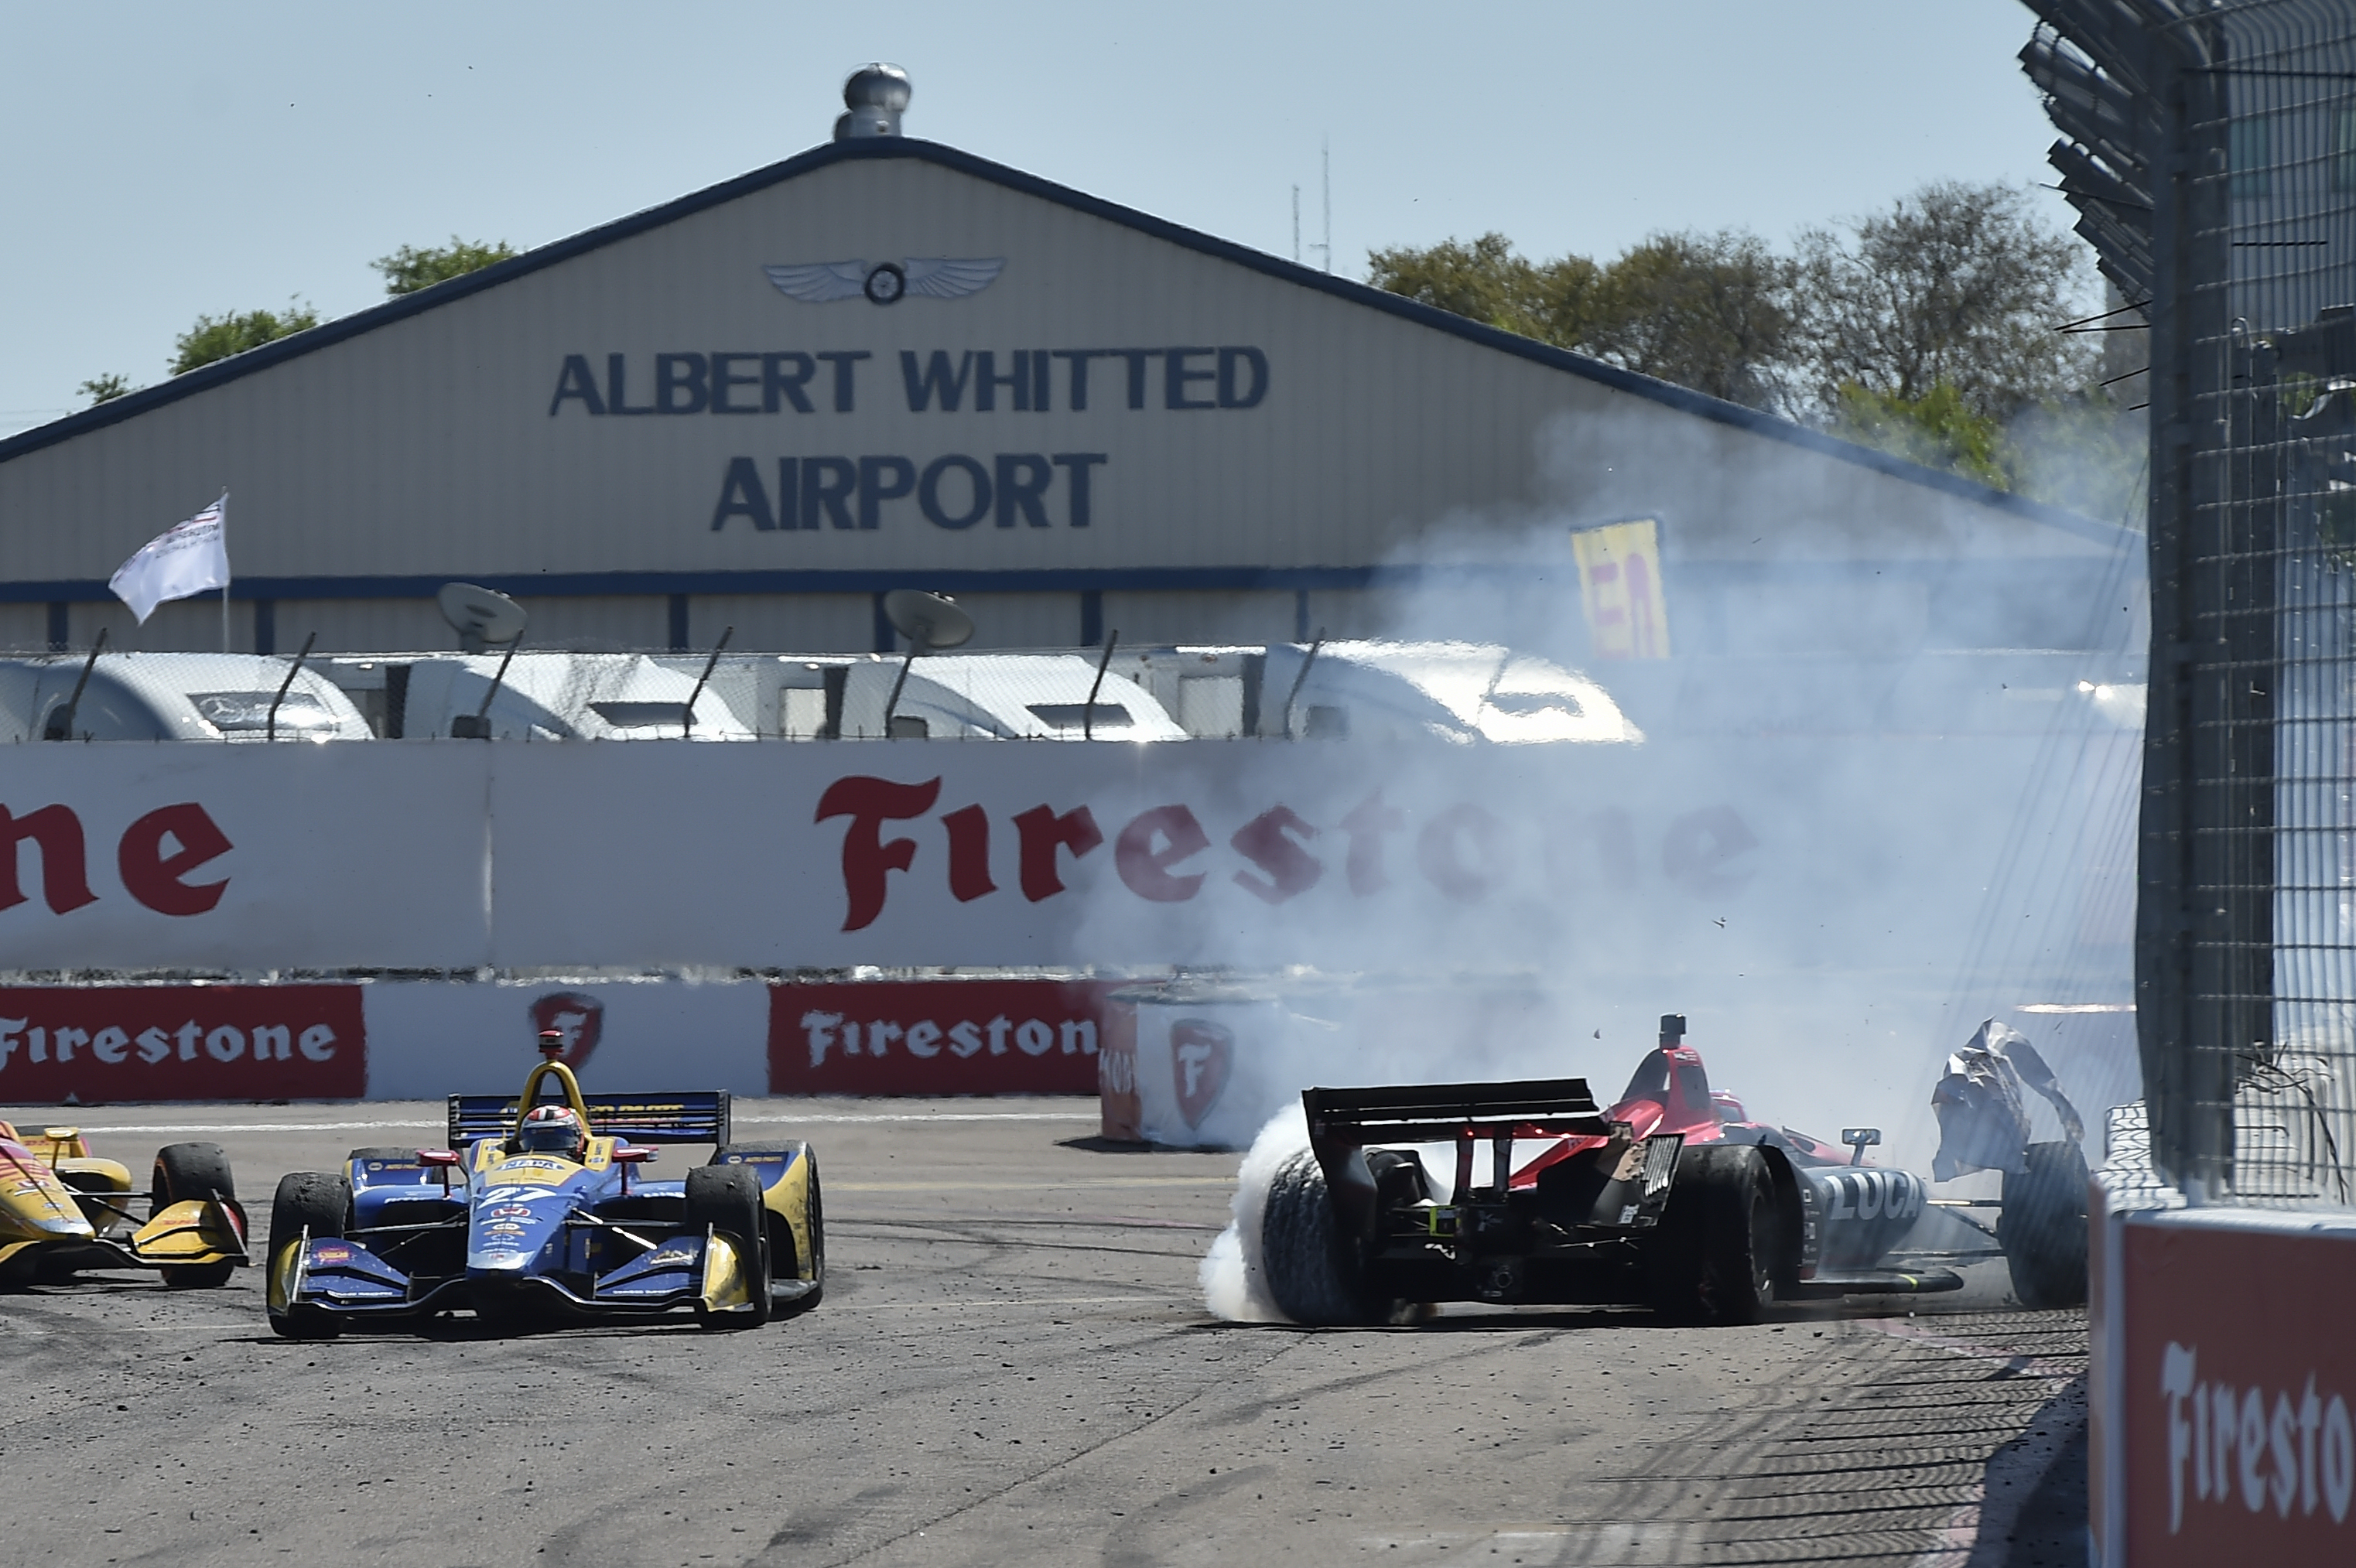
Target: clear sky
(167, 160)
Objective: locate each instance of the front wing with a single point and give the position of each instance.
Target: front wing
(342, 1277)
(191, 1234)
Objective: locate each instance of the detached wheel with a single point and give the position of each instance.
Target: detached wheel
(1316, 1273)
(322, 1205)
(727, 1198)
(192, 1172)
(2042, 1227)
(1713, 1259)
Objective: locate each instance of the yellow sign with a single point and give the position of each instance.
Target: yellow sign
(1619, 583)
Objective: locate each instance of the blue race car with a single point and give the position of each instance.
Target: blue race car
(533, 1214)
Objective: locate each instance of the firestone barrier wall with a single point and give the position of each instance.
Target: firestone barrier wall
(1637, 880)
(421, 1040)
(451, 857)
(2222, 1392)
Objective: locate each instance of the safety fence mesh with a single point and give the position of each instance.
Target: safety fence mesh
(2270, 665)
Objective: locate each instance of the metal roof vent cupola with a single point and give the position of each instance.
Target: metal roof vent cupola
(875, 96)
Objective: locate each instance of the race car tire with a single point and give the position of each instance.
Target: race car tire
(787, 1297)
(186, 1173)
(727, 1198)
(2042, 1227)
(1316, 1273)
(322, 1204)
(1712, 1259)
(197, 1276)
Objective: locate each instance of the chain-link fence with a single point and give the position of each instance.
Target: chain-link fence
(2211, 150)
(2273, 527)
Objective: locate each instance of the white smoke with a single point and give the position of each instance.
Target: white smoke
(1234, 1283)
(1944, 809)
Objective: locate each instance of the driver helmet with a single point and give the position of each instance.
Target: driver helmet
(550, 1129)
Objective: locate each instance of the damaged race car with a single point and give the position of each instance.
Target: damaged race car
(1673, 1198)
(63, 1210)
(533, 1215)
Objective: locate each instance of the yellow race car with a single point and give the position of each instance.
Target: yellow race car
(63, 1210)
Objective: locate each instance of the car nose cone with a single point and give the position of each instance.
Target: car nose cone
(501, 1262)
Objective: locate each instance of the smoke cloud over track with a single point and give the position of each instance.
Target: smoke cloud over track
(1886, 790)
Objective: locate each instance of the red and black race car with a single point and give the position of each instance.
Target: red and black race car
(1672, 1197)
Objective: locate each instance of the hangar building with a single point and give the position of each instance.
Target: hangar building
(886, 362)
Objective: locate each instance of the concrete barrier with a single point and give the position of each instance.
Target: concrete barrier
(936, 1037)
(74, 1044)
(2222, 1394)
(1193, 1063)
(407, 1039)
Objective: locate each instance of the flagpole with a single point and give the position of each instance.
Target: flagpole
(224, 617)
(223, 504)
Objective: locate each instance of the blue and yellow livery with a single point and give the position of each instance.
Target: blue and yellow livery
(518, 1235)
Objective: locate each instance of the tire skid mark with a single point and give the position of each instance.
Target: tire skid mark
(1040, 1474)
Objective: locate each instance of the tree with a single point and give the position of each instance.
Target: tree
(409, 269)
(1937, 430)
(1485, 281)
(1956, 285)
(218, 336)
(1708, 311)
(1927, 331)
(104, 389)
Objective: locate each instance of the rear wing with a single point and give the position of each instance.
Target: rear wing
(1436, 1113)
(636, 1119)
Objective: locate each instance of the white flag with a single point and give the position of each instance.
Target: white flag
(185, 558)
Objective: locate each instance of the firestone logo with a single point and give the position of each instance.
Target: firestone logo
(155, 857)
(1464, 852)
(2255, 1445)
(923, 1038)
(114, 1045)
(577, 1015)
(1201, 1053)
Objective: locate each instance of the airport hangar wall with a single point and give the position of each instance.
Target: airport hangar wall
(1181, 439)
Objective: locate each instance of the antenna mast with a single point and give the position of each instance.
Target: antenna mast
(1325, 159)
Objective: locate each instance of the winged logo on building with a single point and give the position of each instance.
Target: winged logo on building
(886, 282)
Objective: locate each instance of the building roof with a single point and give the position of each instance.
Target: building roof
(1699, 404)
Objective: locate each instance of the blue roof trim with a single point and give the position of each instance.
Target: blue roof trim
(1029, 580)
(1683, 399)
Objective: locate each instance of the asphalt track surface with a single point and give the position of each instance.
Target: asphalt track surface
(1011, 1364)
